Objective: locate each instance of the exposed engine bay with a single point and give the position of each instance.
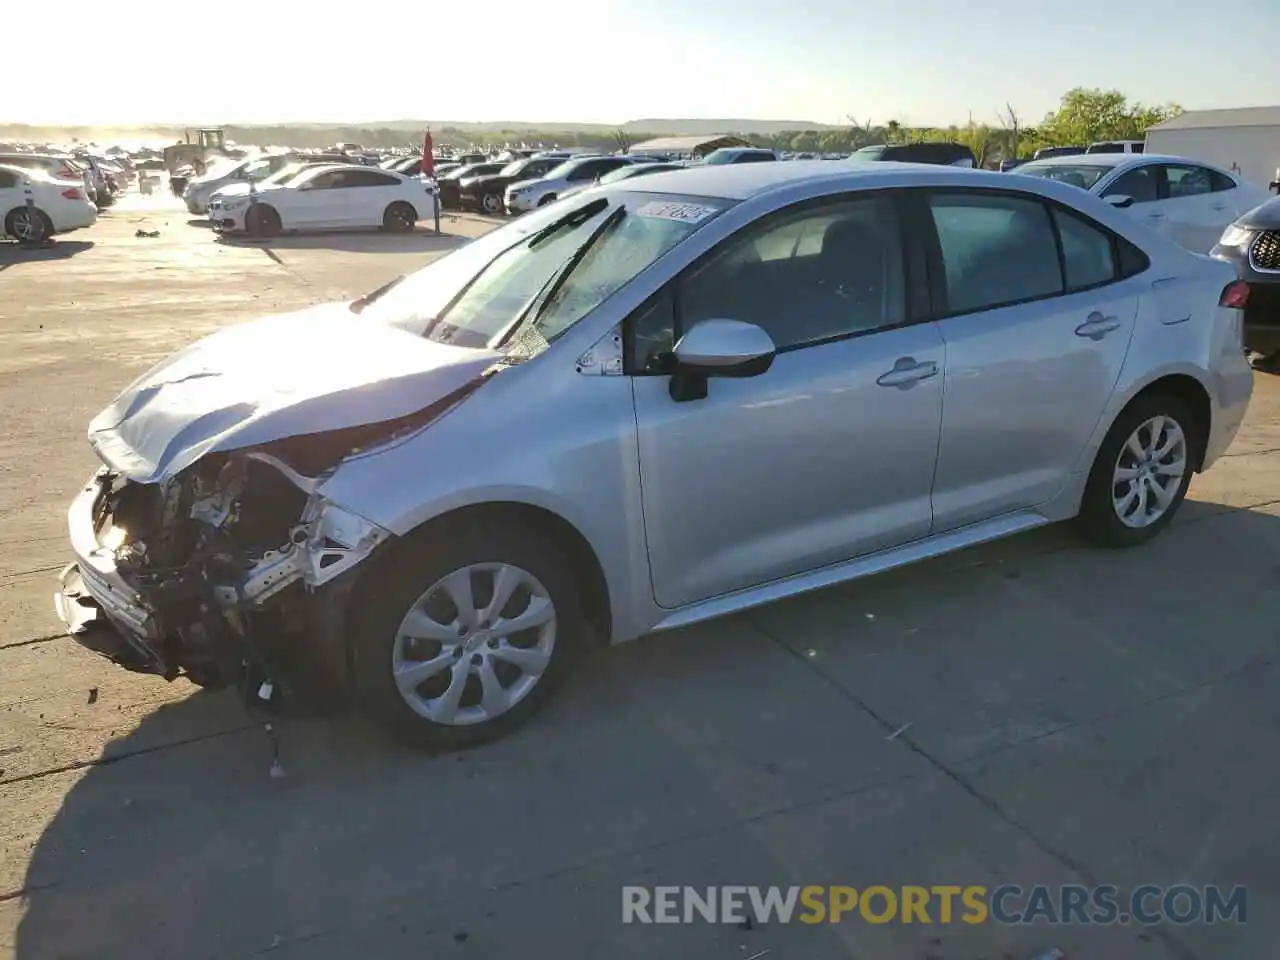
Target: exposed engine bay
(222, 559)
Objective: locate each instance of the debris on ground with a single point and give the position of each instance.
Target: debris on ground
(93, 695)
(150, 234)
(899, 732)
(1053, 953)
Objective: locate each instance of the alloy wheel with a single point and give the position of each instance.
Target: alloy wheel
(474, 644)
(28, 227)
(1149, 471)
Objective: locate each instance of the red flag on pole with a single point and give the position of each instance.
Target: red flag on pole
(428, 159)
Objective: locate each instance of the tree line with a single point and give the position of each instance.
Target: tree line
(1083, 116)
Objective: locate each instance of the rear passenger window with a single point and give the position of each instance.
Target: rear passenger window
(1087, 257)
(1221, 181)
(996, 250)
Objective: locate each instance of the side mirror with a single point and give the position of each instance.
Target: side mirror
(718, 348)
(1119, 201)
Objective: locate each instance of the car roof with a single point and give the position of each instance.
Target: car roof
(741, 181)
(1112, 160)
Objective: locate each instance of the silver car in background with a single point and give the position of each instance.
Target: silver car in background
(662, 401)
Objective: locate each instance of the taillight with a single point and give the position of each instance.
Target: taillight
(1235, 295)
(71, 193)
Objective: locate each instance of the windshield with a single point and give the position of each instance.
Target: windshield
(562, 170)
(285, 174)
(1082, 175)
(868, 153)
(221, 169)
(723, 155)
(258, 170)
(473, 295)
(513, 168)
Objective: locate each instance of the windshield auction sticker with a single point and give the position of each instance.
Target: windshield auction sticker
(683, 212)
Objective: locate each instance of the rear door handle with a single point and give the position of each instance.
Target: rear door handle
(1219, 206)
(1097, 326)
(1155, 216)
(906, 373)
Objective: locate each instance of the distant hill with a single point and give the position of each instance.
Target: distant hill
(375, 133)
(673, 126)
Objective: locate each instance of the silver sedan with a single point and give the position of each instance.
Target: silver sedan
(670, 399)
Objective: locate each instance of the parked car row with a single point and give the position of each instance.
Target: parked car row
(103, 180)
(35, 205)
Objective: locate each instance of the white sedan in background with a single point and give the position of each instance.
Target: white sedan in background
(327, 198)
(1189, 202)
(56, 206)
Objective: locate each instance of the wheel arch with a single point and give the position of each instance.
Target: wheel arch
(586, 566)
(1188, 390)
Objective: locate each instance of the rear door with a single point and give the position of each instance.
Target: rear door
(1195, 214)
(366, 196)
(1037, 317)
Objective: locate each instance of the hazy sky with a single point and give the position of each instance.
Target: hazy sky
(920, 61)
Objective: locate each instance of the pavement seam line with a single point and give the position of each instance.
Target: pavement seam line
(31, 640)
(142, 751)
(1180, 949)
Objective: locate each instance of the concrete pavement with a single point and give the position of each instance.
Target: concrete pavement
(1032, 711)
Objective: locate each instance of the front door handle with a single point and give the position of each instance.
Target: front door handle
(1219, 206)
(1097, 326)
(1155, 216)
(906, 373)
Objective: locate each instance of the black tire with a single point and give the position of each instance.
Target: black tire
(32, 227)
(549, 198)
(400, 217)
(262, 221)
(1099, 518)
(491, 203)
(400, 579)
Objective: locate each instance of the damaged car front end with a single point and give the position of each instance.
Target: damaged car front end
(209, 575)
(203, 545)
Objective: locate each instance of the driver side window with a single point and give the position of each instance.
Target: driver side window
(804, 277)
(1141, 184)
(826, 271)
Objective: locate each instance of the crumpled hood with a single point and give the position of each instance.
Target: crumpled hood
(313, 371)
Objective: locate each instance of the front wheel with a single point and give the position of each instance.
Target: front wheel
(549, 198)
(491, 203)
(1141, 473)
(459, 639)
(262, 221)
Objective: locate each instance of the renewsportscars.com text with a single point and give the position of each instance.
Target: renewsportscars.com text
(1148, 904)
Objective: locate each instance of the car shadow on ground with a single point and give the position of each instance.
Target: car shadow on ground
(714, 755)
(372, 241)
(12, 253)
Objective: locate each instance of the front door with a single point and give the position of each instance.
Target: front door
(1034, 348)
(827, 455)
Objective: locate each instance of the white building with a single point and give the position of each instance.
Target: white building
(1245, 140)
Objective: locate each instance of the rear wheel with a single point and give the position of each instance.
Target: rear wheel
(28, 225)
(491, 203)
(262, 221)
(400, 217)
(1141, 473)
(458, 639)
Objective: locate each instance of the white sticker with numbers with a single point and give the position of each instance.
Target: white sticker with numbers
(683, 212)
